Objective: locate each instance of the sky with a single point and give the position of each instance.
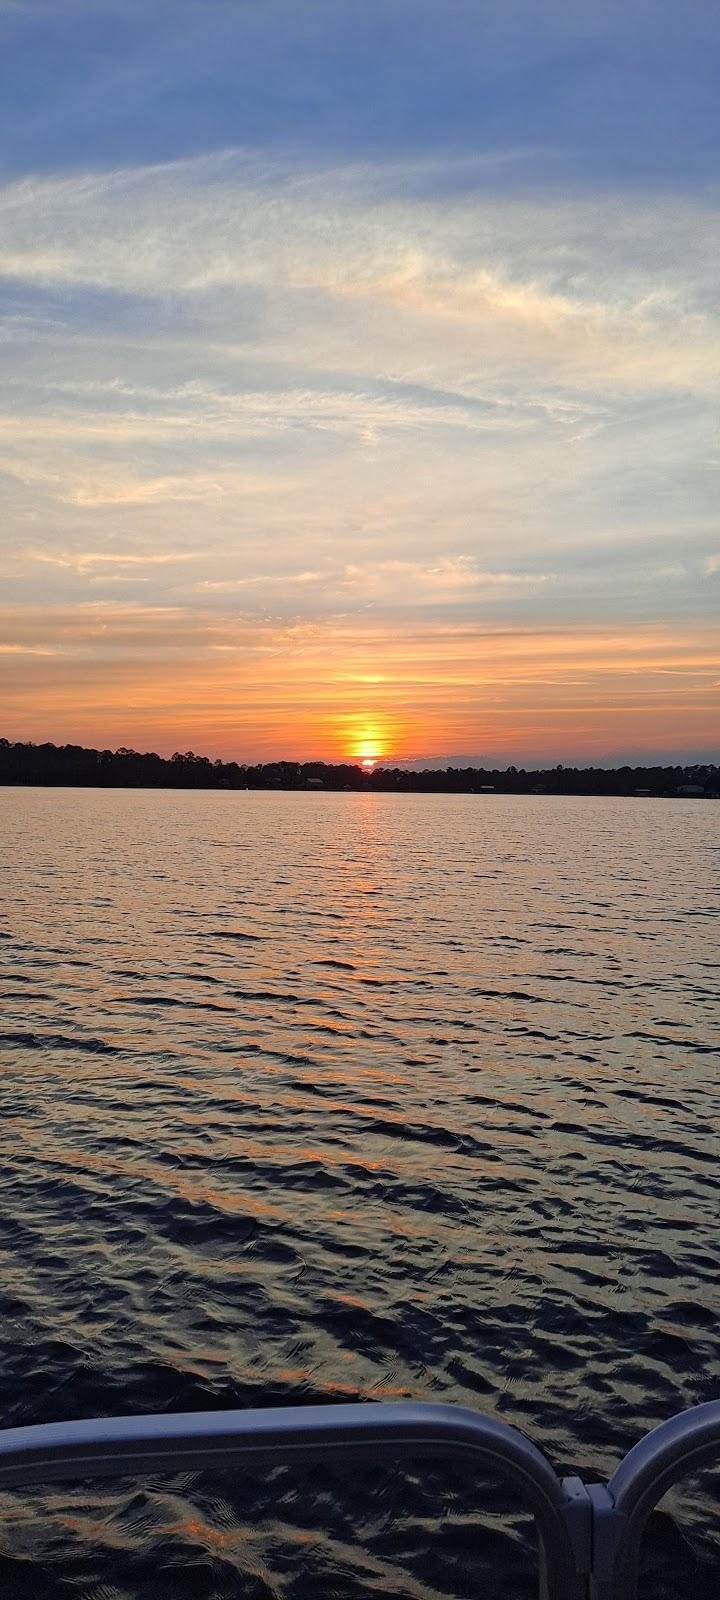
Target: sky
(359, 378)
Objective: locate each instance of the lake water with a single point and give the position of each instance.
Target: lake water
(327, 1096)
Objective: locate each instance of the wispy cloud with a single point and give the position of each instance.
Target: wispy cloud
(82, 560)
(606, 290)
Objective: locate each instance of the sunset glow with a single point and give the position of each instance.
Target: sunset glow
(319, 446)
(143, 678)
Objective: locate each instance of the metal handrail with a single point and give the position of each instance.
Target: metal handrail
(589, 1535)
(118, 1446)
(682, 1445)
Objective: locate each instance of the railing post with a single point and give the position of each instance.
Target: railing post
(578, 1521)
(606, 1524)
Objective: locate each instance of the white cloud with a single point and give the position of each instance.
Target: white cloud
(607, 288)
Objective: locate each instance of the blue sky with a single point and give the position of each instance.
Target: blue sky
(361, 370)
(603, 93)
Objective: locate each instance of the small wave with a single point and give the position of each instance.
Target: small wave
(57, 1041)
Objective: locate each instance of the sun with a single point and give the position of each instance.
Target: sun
(368, 742)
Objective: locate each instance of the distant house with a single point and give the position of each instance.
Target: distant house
(641, 791)
(314, 783)
(690, 789)
(486, 788)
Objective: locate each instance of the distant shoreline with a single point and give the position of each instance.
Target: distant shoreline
(26, 765)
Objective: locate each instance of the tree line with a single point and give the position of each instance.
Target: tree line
(71, 765)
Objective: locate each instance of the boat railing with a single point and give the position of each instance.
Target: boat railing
(589, 1535)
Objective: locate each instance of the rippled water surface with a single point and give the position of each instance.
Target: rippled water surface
(309, 1097)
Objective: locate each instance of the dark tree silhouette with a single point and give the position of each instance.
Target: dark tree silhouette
(73, 766)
